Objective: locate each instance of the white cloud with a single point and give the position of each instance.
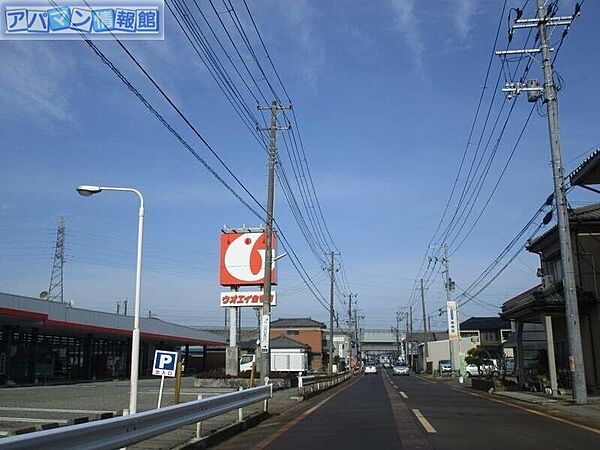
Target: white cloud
(463, 17)
(34, 82)
(409, 27)
(312, 55)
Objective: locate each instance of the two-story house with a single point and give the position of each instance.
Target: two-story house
(307, 331)
(544, 305)
(486, 332)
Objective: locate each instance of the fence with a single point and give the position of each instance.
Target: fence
(121, 431)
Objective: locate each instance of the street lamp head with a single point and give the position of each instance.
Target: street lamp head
(87, 190)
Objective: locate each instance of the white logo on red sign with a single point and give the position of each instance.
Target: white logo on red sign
(243, 259)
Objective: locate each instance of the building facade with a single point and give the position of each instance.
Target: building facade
(307, 331)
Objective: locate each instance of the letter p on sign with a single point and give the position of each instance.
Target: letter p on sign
(164, 363)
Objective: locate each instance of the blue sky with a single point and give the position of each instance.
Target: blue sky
(385, 93)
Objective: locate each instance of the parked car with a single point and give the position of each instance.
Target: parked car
(488, 368)
(401, 369)
(445, 366)
(370, 368)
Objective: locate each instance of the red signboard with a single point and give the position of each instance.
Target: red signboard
(242, 259)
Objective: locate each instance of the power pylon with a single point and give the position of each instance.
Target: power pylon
(56, 290)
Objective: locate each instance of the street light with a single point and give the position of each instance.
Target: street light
(87, 191)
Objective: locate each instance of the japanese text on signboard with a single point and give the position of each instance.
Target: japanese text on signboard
(100, 19)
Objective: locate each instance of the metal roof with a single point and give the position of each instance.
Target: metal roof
(588, 171)
(301, 322)
(62, 316)
(587, 213)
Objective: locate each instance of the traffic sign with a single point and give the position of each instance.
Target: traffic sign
(164, 363)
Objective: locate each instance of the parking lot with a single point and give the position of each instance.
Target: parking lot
(33, 408)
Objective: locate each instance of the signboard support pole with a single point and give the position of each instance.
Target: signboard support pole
(162, 383)
(232, 363)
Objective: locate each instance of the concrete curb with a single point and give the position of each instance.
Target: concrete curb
(224, 433)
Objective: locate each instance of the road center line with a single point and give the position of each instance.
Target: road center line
(403, 394)
(428, 427)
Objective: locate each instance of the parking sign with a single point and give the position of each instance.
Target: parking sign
(164, 363)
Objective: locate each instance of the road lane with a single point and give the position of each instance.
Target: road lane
(462, 420)
(359, 417)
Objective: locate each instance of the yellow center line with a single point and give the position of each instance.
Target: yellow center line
(428, 427)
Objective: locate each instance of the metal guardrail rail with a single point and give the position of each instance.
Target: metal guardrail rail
(314, 383)
(121, 431)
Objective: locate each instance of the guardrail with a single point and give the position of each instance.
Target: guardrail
(310, 384)
(121, 431)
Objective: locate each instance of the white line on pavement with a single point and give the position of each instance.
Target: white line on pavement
(30, 420)
(75, 411)
(403, 394)
(428, 427)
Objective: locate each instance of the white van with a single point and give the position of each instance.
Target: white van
(246, 362)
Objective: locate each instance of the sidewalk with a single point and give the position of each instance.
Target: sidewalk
(561, 406)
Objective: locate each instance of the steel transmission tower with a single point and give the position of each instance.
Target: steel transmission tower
(56, 290)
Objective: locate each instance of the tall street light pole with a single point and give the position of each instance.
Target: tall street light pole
(87, 191)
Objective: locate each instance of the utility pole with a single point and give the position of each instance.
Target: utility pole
(264, 358)
(546, 18)
(410, 341)
(350, 333)
(452, 312)
(425, 336)
(406, 336)
(56, 290)
(331, 288)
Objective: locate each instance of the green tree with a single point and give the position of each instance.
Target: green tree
(478, 357)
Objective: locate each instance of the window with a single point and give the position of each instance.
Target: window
(292, 332)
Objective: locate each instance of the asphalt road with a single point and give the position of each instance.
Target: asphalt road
(371, 413)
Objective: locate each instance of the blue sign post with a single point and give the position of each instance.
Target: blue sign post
(165, 366)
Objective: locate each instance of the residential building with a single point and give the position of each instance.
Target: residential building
(307, 331)
(488, 333)
(544, 304)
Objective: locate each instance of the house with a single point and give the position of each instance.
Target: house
(544, 304)
(488, 333)
(286, 353)
(307, 331)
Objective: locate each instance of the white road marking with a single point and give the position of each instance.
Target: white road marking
(30, 420)
(428, 427)
(403, 394)
(57, 410)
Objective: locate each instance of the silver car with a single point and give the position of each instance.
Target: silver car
(401, 369)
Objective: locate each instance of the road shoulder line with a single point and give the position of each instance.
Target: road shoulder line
(280, 431)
